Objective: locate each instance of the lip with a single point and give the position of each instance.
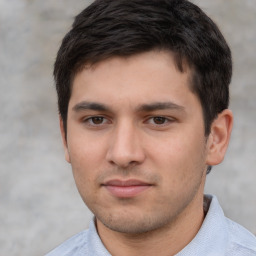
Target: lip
(126, 188)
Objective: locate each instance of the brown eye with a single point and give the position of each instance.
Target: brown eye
(97, 122)
(97, 119)
(159, 120)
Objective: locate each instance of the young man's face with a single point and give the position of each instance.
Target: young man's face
(136, 143)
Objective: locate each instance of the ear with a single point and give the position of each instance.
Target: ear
(64, 139)
(219, 137)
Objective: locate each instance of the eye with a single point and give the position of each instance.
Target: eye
(159, 121)
(95, 120)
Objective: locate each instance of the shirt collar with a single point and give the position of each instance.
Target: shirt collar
(212, 238)
(95, 245)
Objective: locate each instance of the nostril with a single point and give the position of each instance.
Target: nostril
(125, 160)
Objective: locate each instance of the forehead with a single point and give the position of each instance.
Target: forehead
(151, 76)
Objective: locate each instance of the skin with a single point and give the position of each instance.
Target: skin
(136, 118)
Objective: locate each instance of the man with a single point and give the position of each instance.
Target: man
(143, 100)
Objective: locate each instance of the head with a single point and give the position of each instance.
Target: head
(142, 92)
(110, 28)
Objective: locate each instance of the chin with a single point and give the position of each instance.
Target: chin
(132, 223)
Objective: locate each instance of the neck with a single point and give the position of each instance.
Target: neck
(169, 240)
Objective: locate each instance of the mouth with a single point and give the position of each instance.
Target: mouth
(126, 188)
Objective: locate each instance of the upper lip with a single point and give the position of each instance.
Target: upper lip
(126, 183)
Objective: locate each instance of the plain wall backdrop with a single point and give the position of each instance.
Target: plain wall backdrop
(40, 206)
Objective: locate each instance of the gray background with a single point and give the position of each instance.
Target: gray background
(40, 206)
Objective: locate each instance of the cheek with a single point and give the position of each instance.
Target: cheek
(84, 162)
(179, 157)
(179, 150)
(85, 150)
(84, 170)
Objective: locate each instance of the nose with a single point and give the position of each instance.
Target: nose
(125, 147)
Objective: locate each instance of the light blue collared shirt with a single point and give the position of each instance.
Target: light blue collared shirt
(218, 236)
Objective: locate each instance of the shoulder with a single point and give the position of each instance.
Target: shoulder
(86, 242)
(223, 235)
(73, 246)
(242, 242)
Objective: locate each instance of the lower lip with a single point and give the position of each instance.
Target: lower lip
(126, 192)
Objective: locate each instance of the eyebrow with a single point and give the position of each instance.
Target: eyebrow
(159, 106)
(85, 105)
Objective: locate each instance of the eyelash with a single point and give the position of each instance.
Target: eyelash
(165, 120)
(89, 120)
(150, 120)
